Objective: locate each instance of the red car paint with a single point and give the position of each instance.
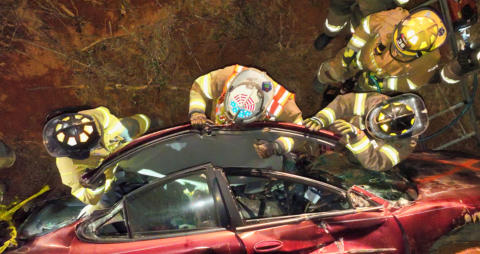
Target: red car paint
(446, 200)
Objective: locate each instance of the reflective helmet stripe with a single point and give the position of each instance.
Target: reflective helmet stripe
(360, 146)
(333, 28)
(391, 153)
(359, 106)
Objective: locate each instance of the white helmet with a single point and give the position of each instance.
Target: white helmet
(248, 96)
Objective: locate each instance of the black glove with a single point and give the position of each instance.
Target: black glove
(467, 60)
(84, 179)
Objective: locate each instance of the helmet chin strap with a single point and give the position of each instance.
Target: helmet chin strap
(413, 58)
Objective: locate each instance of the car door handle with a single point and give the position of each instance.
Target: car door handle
(267, 246)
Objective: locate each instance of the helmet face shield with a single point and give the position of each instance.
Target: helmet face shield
(398, 117)
(71, 135)
(248, 96)
(421, 31)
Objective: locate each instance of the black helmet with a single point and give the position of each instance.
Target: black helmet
(398, 117)
(71, 135)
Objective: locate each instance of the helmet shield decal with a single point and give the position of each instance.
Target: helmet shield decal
(398, 117)
(248, 96)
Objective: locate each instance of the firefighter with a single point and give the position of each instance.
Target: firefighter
(82, 140)
(241, 94)
(343, 12)
(392, 51)
(378, 131)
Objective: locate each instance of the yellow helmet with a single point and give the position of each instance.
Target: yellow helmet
(421, 31)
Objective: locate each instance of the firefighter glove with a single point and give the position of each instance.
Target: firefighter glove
(314, 123)
(345, 129)
(199, 120)
(266, 149)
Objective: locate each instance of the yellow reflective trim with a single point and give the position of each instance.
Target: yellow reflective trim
(366, 25)
(287, 143)
(61, 137)
(78, 116)
(329, 114)
(205, 84)
(360, 146)
(384, 127)
(66, 118)
(106, 115)
(446, 79)
(333, 28)
(411, 85)
(71, 141)
(197, 104)
(412, 121)
(391, 153)
(352, 29)
(83, 137)
(359, 106)
(85, 120)
(58, 127)
(146, 119)
(392, 83)
(88, 129)
(117, 129)
(359, 63)
(357, 41)
(401, 2)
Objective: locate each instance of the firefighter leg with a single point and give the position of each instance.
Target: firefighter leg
(338, 16)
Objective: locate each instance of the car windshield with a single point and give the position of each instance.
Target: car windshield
(311, 156)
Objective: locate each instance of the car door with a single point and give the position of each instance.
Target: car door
(279, 212)
(182, 213)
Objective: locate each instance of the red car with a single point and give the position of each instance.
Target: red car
(188, 191)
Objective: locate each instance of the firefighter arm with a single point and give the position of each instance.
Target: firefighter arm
(340, 108)
(290, 113)
(71, 173)
(362, 34)
(381, 156)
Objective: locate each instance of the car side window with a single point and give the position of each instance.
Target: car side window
(179, 205)
(266, 197)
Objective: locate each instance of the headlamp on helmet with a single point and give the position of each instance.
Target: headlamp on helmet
(398, 117)
(71, 135)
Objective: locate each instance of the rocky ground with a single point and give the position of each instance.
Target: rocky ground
(142, 57)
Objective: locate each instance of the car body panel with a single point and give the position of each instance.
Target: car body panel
(449, 196)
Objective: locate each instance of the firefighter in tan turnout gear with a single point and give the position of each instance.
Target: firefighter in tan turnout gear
(239, 94)
(378, 131)
(344, 13)
(82, 140)
(392, 50)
